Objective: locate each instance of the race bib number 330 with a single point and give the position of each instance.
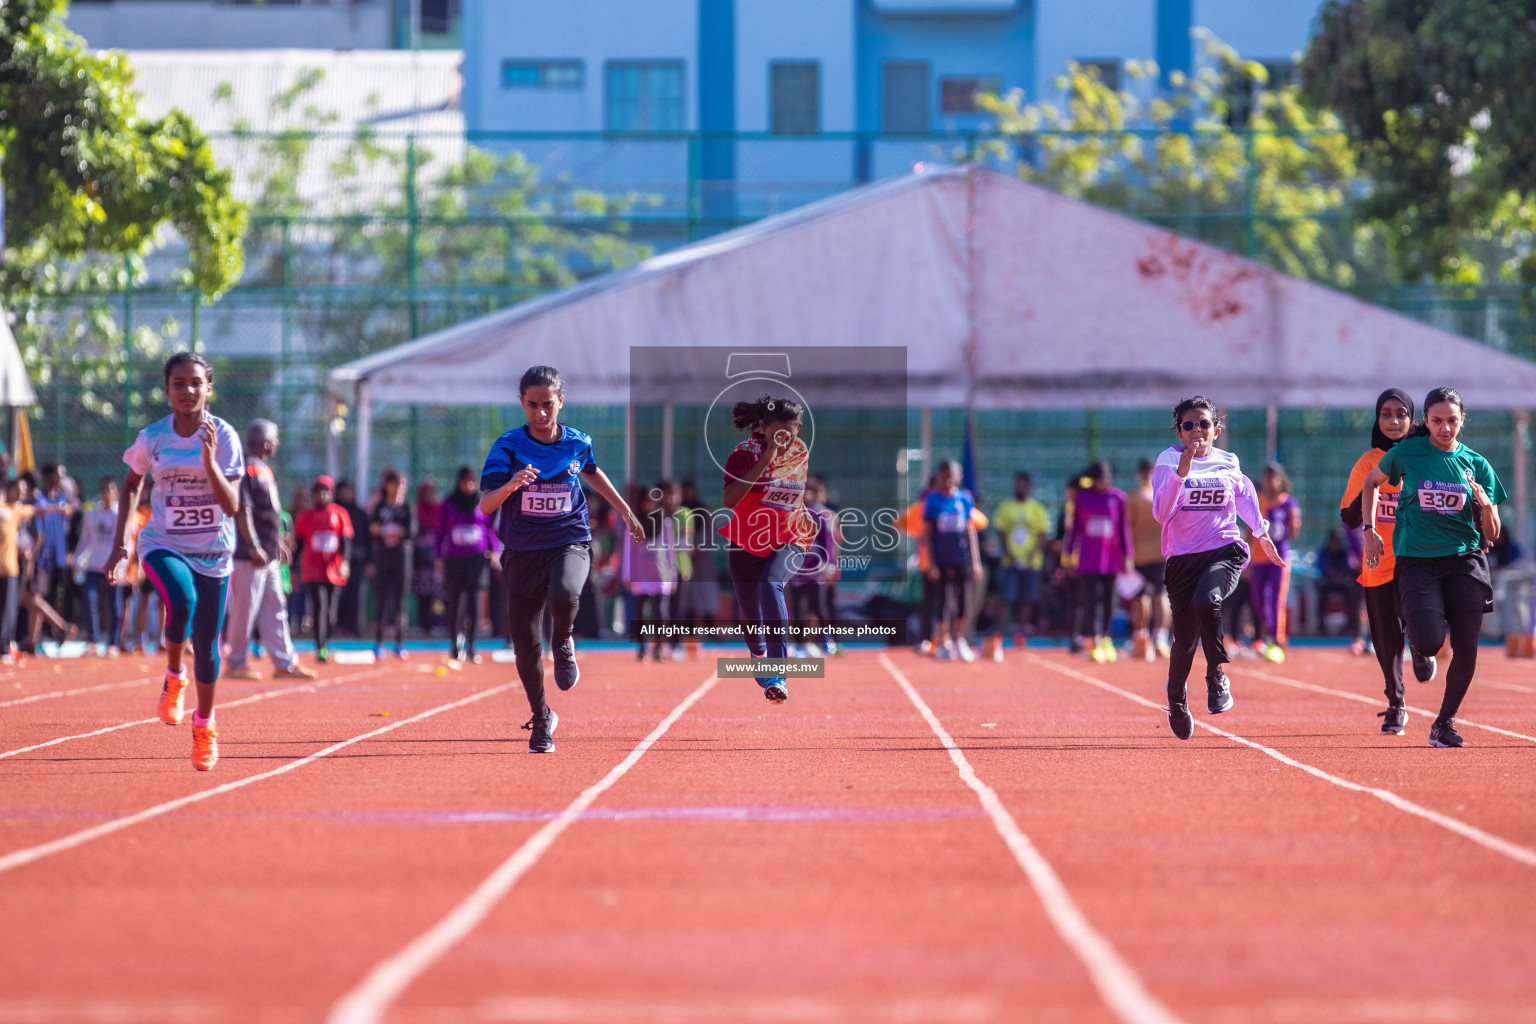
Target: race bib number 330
(1447, 499)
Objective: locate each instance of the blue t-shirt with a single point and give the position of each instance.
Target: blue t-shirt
(950, 515)
(552, 511)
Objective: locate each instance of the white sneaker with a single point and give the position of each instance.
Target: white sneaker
(925, 647)
(794, 650)
(966, 654)
(813, 651)
(945, 651)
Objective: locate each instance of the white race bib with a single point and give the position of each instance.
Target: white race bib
(1386, 508)
(1019, 537)
(546, 503)
(951, 522)
(784, 493)
(391, 532)
(466, 535)
(327, 542)
(1100, 527)
(1447, 499)
(193, 515)
(1203, 499)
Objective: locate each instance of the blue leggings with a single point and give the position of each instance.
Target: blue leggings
(193, 601)
(759, 585)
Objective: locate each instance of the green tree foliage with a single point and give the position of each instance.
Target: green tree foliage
(1439, 97)
(86, 176)
(92, 187)
(1274, 184)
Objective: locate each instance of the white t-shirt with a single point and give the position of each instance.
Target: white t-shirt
(98, 528)
(185, 516)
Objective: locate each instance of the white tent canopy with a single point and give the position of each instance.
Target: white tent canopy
(15, 386)
(1003, 293)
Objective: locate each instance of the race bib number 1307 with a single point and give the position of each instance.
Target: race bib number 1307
(546, 503)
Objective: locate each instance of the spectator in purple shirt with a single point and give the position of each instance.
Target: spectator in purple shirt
(1100, 536)
(462, 545)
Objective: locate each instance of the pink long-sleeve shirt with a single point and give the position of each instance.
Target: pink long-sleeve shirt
(1100, 534)
(1200, 512)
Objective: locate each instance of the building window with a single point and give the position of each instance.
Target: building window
(795, 95)
(905, 104)
(958, 95)
(541, 74)
(645, 96)
(1107, 71)
(1241, 92)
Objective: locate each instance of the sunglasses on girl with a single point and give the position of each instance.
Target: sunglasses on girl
(1192, 424)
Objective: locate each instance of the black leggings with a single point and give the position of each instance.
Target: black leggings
(461, 580)
(1095, 603)
(389, 602)
(1197, 586)
(552, 577)
(1440, 596)
(1384, 611)
(323, 598)
(954, 587)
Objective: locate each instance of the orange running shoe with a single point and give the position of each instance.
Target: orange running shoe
(205, 746)
(173, 699)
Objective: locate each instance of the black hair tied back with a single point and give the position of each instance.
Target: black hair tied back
(767, 409)
(541, 377)
(1198, 402)
(187, 357)
(1434, 398)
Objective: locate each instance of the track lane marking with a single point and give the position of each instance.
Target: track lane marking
(1376, 701)
(370, 999)
(1495, 683)
(32, 854)
(53, 695)
(1488, 840)
(254, 698)
(1117, 982)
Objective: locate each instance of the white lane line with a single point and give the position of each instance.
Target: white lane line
(72, 693)
(1371, 659)
(371, 998)
(1376, 702)
(1118, 984)
(69, 842)
(263, 695)
(1485, 839)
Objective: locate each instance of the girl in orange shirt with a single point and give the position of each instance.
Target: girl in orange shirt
(1383, 604)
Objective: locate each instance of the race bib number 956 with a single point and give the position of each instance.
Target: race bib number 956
(1205, 497)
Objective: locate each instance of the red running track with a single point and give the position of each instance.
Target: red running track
(825, 860)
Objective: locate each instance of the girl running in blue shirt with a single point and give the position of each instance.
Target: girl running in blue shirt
(546, 535)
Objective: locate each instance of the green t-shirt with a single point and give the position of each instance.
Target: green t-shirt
(1435, 510)
(1024, 526)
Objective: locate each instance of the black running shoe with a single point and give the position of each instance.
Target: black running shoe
(1424, 669)
(1181, 721)
(1218, 694)
(1394, 720)
(777, 693)
(1443, 734)
(566, 672)
(541, 735)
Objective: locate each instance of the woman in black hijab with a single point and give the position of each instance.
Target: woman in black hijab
(1383, 604)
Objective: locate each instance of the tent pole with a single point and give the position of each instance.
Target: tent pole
(1522, 476)
(1271, 433)
(332, 457)
(925, 442)
(629, 444)
(667, 411)
(364, 435)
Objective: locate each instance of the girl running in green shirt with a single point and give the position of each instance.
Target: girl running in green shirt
(1447, 507)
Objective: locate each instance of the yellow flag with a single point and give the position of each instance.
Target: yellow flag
(24, 462)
